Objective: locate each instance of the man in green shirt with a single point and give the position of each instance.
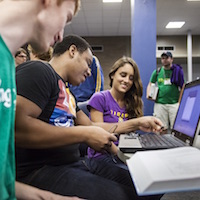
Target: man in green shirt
(169, 79)
(41, 23)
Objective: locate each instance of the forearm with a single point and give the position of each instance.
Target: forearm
(34, 133)
(147, 124)
(26, 192)
(121, 127)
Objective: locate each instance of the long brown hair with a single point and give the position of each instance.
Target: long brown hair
(133, 97)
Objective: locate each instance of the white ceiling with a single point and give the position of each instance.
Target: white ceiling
(114, 19)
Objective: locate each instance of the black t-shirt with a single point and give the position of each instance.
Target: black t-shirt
(38, 82)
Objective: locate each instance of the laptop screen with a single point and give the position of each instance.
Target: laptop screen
(187, 117)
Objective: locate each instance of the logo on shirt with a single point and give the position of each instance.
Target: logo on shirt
(6, 96)
(65, 109)
(121, 116)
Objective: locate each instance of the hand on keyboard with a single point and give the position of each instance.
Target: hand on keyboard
(150, 124)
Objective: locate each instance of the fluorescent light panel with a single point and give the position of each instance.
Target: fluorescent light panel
(112, 1)
(175, 24)
(193, 0)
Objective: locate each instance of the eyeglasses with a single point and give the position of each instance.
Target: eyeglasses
(22, 56)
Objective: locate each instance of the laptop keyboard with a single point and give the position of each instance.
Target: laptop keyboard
(158, 141)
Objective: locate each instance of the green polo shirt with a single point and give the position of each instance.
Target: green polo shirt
(168, 93)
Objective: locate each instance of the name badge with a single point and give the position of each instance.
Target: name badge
(167, 81)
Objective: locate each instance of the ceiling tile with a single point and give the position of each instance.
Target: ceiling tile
(114, 19)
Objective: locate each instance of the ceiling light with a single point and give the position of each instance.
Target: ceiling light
(175, 24)
(112, 1)
(193, 0)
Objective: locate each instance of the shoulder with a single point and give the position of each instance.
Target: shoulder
(36, 74)
(35, 68)
(98, 100)
(154, 73)
(102, 94)
(176, 66)
(99, 97)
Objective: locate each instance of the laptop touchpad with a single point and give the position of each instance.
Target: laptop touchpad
(129, 141)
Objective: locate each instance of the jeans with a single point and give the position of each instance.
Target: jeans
(111, 159)
(88, 179)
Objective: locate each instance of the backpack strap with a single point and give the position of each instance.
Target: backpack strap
(157, 72)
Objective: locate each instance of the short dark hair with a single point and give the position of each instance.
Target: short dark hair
(80, 43)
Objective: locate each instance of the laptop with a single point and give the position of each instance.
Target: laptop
(185, 130)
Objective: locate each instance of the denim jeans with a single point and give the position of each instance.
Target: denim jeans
(88, 179)
(111, 159)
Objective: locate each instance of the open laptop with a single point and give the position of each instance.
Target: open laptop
(185, 129)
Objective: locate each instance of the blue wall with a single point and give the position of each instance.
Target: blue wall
(143, 42)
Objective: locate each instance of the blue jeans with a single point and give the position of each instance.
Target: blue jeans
(111, 159)
(88, 179)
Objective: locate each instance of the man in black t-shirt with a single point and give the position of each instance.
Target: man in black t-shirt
(50, 126)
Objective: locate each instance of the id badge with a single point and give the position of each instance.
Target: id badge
(167, 81)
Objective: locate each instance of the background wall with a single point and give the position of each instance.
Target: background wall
(113, 49)
(116, 47)
(180, 52)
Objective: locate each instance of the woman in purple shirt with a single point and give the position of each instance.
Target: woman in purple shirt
(122, 102)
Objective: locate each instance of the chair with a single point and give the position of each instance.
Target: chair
(83, 146)
(83, 107)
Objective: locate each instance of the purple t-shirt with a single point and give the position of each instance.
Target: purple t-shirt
(112, 112)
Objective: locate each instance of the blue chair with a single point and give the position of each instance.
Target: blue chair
(83, 107)
(83, 146)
